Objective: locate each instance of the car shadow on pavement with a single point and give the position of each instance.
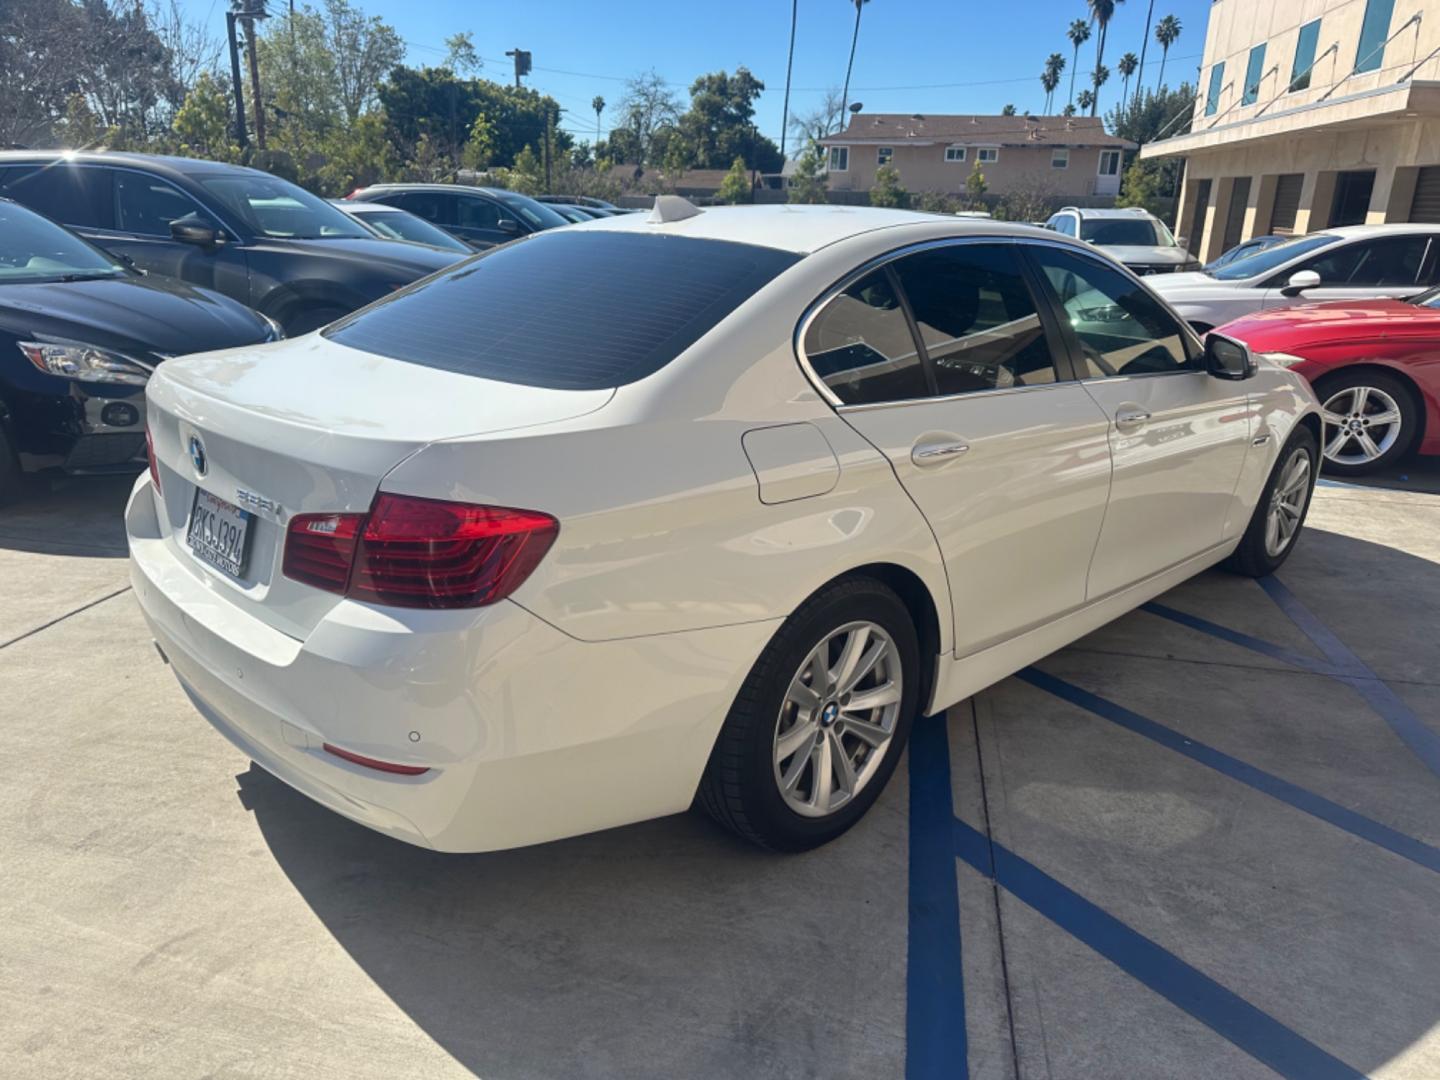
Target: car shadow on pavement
(71, 515)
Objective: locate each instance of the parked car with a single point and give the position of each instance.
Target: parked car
(1243, 249)
(256, 238)
(1375, 366)
(392, 223)
(573, 214)
(1355, 262)
(578, 200)
(682, 505)
(1133, 236)
(482, 217)
(80, 334)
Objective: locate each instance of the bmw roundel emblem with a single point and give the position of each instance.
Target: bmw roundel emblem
(197, 455)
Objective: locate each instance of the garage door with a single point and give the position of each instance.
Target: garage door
(1235, 218)
(1425, 207)
(1287, 203)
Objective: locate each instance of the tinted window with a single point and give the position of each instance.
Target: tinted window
(34, 249)
(1063, 223)
(1121, 329)
(1370, 53)
(277, 208)
(1212, 96)
(399, 225)
(1304, 55)
(1253, 70)
(435, 206)
(976, 318)
(69, 194)
(535, 214)
(147, 205)
(478, 213)
(1262, 262)
(1376, 262)
(567, 309)
(1122, 232)
(862, 348)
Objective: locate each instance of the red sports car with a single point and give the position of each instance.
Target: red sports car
(1374, 364)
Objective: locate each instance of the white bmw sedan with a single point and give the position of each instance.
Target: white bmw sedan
(1355, 262)
(700, 506)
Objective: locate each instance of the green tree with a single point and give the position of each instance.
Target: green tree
(807, 185)
(357, 156)
(1141, 187)
(735, 188)
(975, 187)
(1079, 33)
(479, 148)
(1085, 101)
(1008, 110)
(1149, 117)
(202, 125)
(720, 123)
(649, 106)
(887, 190)
(1101, 12)
(428, 164)
(80, 130)
(527, 175)
(460, 54)
(1050, 79)
(598, 104)
(1128, 63)
(1167, 31)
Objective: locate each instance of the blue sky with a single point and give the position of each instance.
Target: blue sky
(931, 56)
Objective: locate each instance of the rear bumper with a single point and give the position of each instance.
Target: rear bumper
(528, 735)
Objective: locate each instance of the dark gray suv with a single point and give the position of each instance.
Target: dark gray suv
(481, 216)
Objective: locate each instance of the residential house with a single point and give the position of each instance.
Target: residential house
(1064, 157)
(1310, 114)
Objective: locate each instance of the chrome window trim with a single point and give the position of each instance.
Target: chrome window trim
(1075, 247)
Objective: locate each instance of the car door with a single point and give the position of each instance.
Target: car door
(483, 222)
(144, 207)
(436, 207)
(1362, 269)
(942, 359)
(1178, 437)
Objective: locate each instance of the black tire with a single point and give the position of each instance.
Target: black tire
(312, 318)
(11, 479)
(1328, 388)
(740, 789)
(1253, 557)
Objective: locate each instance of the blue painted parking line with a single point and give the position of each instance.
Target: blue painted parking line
(1237, 637)
(1223, 1011)
(1407, 847)
(936, 1044)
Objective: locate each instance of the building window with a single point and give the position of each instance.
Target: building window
(839, 159)
(884, 154)
(1373, 32)
(954, 153)
(1212, 97)
(1060, 158)
(987, 155)
(1109, 162)
(1253, 75)
(1304, 56)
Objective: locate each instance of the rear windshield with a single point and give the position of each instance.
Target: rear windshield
(1125, 232)
(568, 310)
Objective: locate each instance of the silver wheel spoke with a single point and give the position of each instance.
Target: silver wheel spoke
(1368, 445)
(874, 698)
(787, 744)
(873, 734)
(806, 699)
(844, 769)
(850, 656)
(1331, 418)
(1389, 416)
(864, 666)
(824, 781)
(1360, 398)
(797, 768)
(1272, 534)
(1335, 445)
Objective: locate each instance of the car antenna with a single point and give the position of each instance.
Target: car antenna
(670, 208)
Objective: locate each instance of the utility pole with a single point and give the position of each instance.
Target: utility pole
(549, 129)
(250, 12)
(522, 63)
(241, 138)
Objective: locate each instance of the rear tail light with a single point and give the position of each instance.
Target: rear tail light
(422, 553)
(375, 763)
(150, 456)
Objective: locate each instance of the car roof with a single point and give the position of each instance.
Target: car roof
(1351, 232)
(158, 163)
(799, 228)
(492, 192)
(1114, 212)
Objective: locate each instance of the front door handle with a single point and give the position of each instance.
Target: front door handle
(928, 454)
(1128, 418)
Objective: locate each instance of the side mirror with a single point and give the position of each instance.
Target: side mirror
(193, 229)
(508, 225)
(1182, 241)
(1226, 358)
(1299, 282)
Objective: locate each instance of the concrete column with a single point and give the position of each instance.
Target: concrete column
(1402, 194)
(1379, 210)
(1213, 244)
(1316, 198)
(1262, 205)
(1185, 209)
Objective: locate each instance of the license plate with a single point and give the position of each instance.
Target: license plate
(219, 533)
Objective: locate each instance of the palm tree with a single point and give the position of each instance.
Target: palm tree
(1079, 33)
(845, 93)
(1166, 31)
(1098, 78)
(1054, 65)
(1144, 41)
(789, 64)
(1128, 63)
(1069, 109)
(598, 104)
(1101, 12)
(1086, 100)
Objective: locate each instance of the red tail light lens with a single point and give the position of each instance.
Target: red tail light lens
(376, 763)
(423, 553)
(150, 455)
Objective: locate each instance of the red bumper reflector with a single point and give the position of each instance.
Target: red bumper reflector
(373, 763)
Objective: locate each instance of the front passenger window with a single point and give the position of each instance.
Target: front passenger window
(976, 318)
(861, 347)
(1121, 329)
(146, 205)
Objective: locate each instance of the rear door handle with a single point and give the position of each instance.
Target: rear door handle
(929, 454)
(1128, 419)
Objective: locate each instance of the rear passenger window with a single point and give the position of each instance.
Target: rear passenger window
(70, 194)
(861, 347)
(433, 206)
(977, 320)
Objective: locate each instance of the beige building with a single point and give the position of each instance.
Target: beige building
(1311, 113)
(1065, 157)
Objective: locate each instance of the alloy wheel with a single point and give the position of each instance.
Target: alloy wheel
(1287, 502)
(1361, 424)
(838, 718)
